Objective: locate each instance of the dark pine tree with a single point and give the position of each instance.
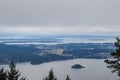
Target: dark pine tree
(13, 74)
(3, 75)
(114, 64)
(68, 78)
(51, 76)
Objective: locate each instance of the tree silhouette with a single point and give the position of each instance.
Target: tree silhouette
(114, 64)
(50, 76)
(3, 75)
(13, 74)
(68, 78)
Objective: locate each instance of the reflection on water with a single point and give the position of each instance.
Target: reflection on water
(95, 69)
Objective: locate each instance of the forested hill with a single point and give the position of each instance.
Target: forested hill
(37, 54)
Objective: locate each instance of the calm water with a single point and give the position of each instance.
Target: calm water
(95, 70)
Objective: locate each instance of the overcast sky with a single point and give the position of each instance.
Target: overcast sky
(60, 16)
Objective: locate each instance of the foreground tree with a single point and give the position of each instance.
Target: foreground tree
(114, 64)
(14, 74)
(3, 75)
(68, 78)
(51, 76)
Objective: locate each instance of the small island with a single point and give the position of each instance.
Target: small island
(77, 66)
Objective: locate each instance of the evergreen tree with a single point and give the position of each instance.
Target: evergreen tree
(13, 74)
(3, 75)
(114, 64)
(50, 76)
(68, 78)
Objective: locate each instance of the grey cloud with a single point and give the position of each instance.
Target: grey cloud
(60, 12)
(60, 16)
